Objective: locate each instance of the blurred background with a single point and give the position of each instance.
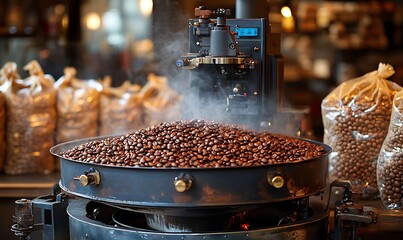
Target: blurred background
(323, 42)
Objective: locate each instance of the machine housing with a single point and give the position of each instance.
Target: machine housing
(236, 69)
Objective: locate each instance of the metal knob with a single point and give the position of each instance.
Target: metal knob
(84, 179)
(180, 186)
(276, 181)
(183, 182)
(91, 177)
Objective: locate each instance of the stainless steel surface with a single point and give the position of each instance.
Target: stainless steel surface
(195, 62)
(155, 187)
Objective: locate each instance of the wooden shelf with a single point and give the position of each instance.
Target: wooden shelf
(27, 185)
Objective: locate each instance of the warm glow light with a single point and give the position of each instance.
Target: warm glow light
(288, 24)
(146, 7)
(245, 226)
(93, 21)
(286, 12)
(65, 21)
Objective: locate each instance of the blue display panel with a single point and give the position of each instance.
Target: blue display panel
(247, 32)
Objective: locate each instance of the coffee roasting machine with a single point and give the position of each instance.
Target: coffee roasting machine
(236, 69)
(237, 61)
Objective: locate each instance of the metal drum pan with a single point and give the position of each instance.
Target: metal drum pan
(210, 187)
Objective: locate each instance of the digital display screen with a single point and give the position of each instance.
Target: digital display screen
(247, 32)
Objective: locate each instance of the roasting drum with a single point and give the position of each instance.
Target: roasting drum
(211, 187)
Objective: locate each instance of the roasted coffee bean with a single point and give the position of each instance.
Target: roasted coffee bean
(195, 144)
(390, 163)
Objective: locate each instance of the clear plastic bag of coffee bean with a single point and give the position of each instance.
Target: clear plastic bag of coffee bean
(356, 116)
(2, 130)
(7, 74)
(121, 109)
(161, 102)
(390, 161)
(30, 121)
(77, 107)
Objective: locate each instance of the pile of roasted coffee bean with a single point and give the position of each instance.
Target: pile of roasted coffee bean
(195, 144)
(356, 134)
(390, 163)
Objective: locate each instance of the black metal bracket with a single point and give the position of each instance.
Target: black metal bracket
(349, 215)
(54, 219)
